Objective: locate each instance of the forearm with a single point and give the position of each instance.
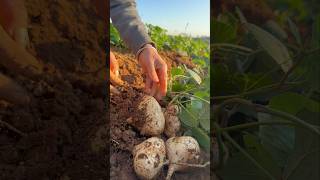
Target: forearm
(126, 19)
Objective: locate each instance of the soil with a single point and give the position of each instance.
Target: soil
(68, 103)
(64, 128)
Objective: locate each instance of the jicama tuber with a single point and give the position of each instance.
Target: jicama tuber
(149, 119)
(184, 149)
(149, 157)
(172, 125)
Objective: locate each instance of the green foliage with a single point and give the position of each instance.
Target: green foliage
(276, 67)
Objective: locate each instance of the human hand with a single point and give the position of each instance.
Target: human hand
(155, 69)
(14, 19)
(114, 74)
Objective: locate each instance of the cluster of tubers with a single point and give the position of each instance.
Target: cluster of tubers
(152, 154)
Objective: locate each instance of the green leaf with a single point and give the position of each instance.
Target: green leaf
(238, 167)
(260, 153)
(294, 30)
(277, 139)
(188, 117)
(177, 71)
(293, 103)
(195, 76)
(272, 46)
(202, 138)
(304, 162)
(223, 32)
(178, 87)
(202, 94)
(275, 29)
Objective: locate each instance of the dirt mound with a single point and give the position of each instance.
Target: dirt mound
(68, 106)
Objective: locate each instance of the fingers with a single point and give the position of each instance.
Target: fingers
(115, 80)
(114, 90)
(163, 79)
(21, 36)
(14, 19)
(114, 67)
(148, 85)
(151, 70)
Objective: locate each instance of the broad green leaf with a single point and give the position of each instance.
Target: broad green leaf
(275, 29)
(294, 30)
(178, 87)
(293, 103)
(277, 139)
(202, 94)
(195, 76)
(177, 71)
(202, 138)
(304, 162)
(188, 117)
(272, 45)
(260, 153)
(222, 32)
(238, 167)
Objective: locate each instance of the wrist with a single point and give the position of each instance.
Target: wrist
(146, 46)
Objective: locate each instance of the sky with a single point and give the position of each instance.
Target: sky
(177, 16)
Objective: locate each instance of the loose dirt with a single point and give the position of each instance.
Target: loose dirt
(68, 106)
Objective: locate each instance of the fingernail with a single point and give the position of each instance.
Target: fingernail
(116, 72)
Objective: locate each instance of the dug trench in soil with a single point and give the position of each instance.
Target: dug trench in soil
(67, 107)
(124, 137)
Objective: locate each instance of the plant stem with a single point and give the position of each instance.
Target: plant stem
(187, 94)
(264, 109)
(234, 143)
(252, 124)
(258, 90)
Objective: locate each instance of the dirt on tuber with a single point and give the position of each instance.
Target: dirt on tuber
(181, 150)
(149, 157)
(149, 119)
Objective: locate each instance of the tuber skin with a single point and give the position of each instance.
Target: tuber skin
(150, 119)
(149, 157)
(184, 149)
(172, 124)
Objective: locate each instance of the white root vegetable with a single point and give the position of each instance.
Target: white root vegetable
(172, 124)
(149, 157)
(149, 119)
(181, 150)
